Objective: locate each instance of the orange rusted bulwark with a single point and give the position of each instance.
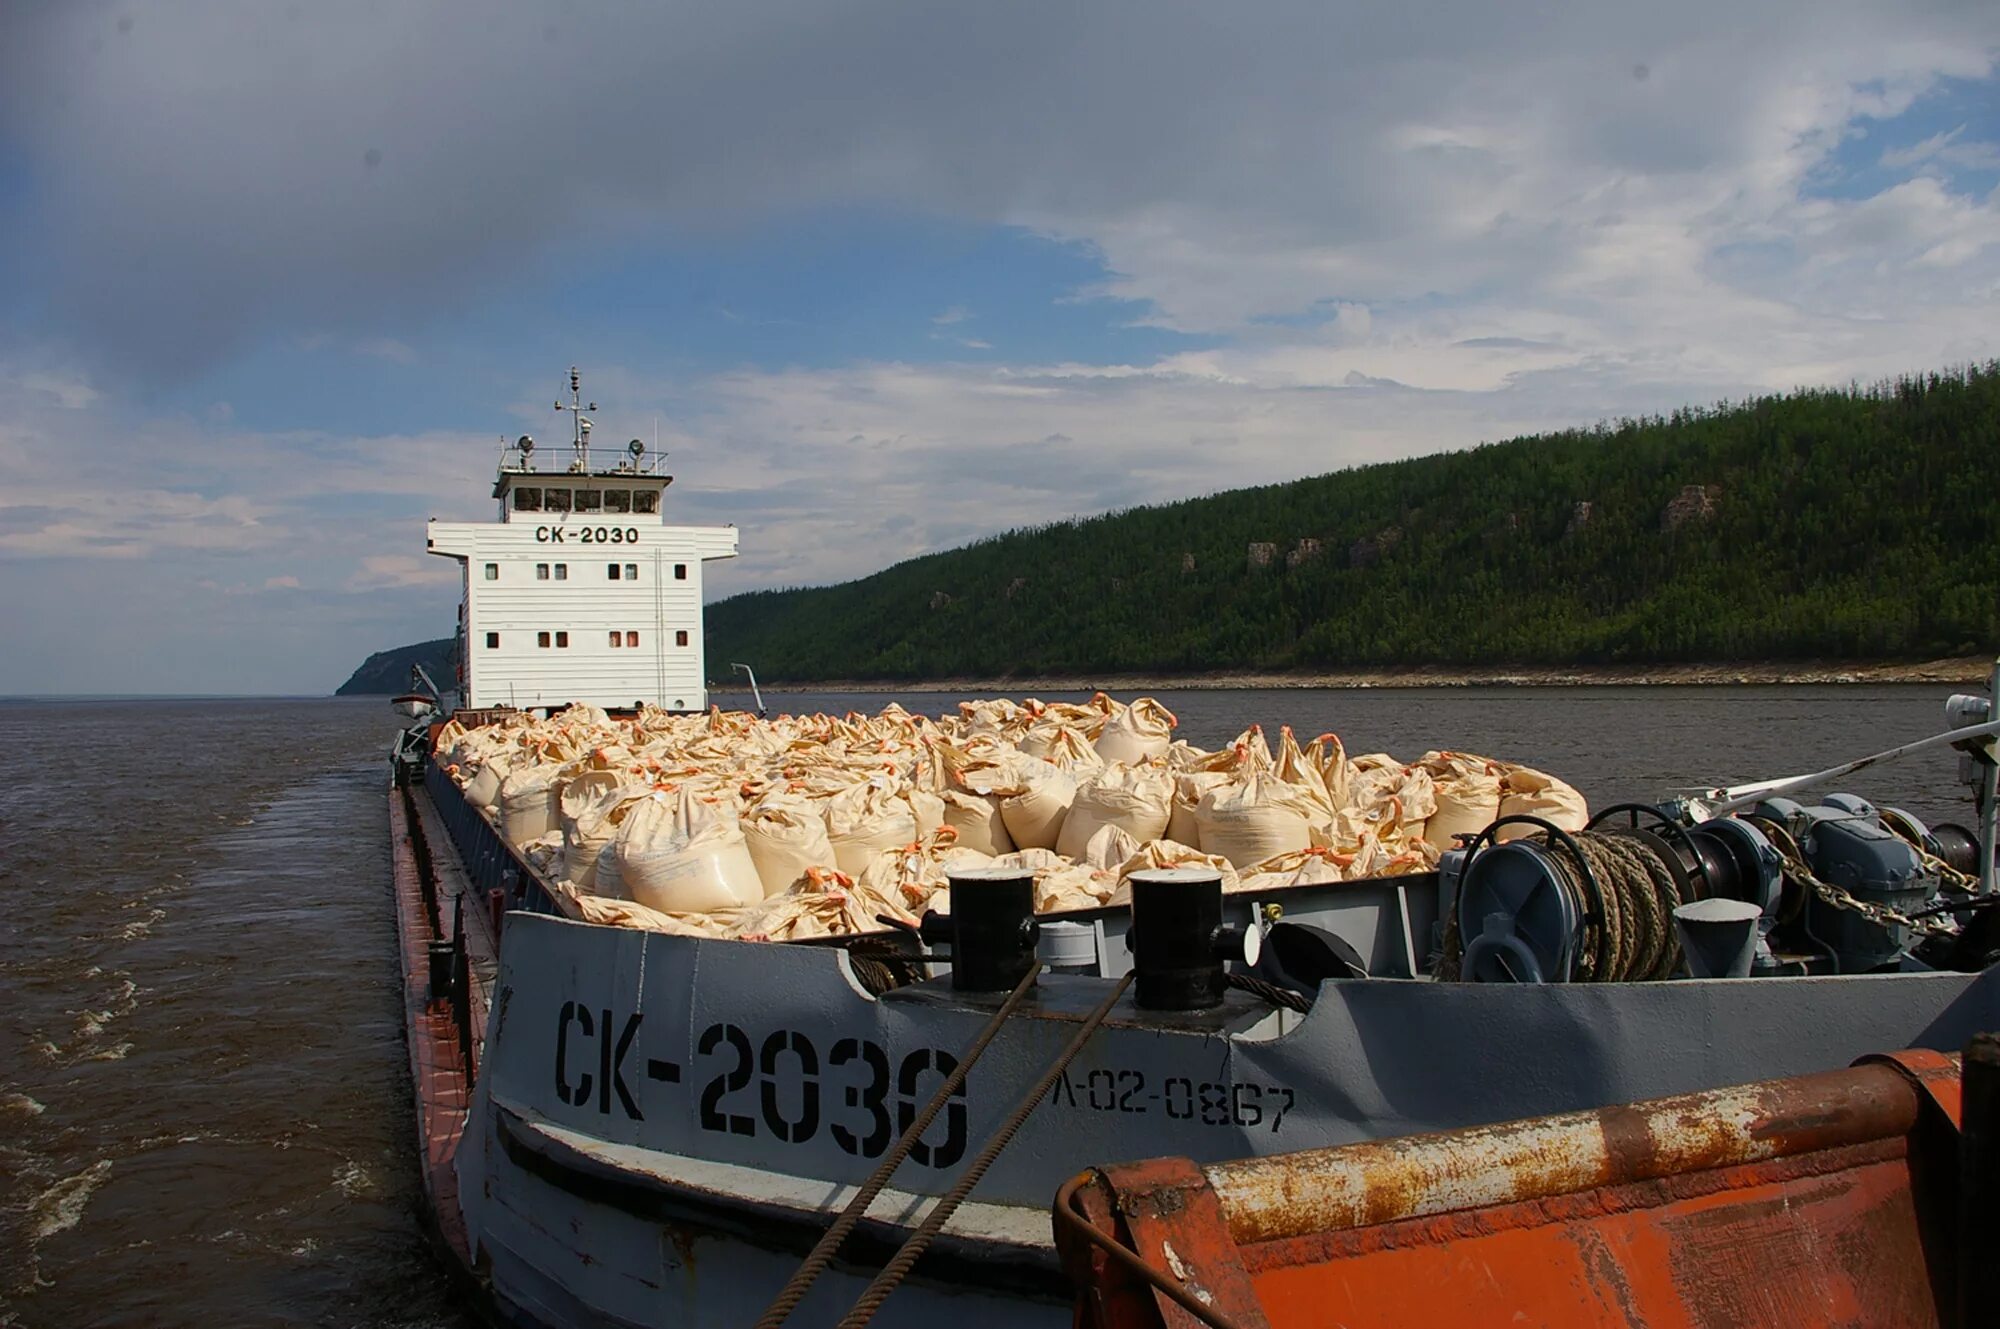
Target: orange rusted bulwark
(1829, 1199)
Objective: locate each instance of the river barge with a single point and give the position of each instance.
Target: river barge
(635, 1117)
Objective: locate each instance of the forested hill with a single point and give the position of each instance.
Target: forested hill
(1852, 524)
(388, 672)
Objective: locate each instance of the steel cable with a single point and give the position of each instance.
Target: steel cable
(829, 1244)
(906, 1257)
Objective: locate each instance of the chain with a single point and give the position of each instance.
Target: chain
(1951, 877)
(1935, 925)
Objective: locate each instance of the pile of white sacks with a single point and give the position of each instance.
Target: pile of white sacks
(727, 825)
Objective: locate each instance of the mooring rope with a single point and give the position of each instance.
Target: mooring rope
(1627, 899)
(828, 1246)
(906, 1257)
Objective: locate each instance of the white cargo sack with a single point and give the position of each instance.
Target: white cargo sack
(528, 803)
(589, 828)
(1468, 796)
(483, 789)
(864, 820)
(786, 834)
(1256, 820)
(977, 819)
(1034, 816)
(677, 855)
(1136, 799)
(1139, 732)
(1530, 793)
(926, 807)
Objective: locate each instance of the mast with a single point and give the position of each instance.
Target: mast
(579, 423)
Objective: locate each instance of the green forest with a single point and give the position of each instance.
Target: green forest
(1854, 523)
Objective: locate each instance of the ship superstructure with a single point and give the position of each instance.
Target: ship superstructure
(581, 591)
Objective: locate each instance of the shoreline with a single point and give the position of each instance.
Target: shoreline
(1973, 669)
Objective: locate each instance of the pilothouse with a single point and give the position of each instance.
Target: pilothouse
(580, 591)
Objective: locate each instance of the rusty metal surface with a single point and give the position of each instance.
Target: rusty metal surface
(1806, 1202)
(1382, 1181)
(1777, 1246)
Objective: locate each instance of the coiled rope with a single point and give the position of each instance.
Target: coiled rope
(1627, 899)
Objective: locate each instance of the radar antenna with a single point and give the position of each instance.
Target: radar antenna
(580, 424)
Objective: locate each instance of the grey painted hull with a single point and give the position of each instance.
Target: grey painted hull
(663, 1124)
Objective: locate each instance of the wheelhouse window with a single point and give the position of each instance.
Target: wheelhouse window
(562, 572)
(541, 572)
(681, 637)
(617, 639)
(555, 500)
(611, 571)
(527, 500)
(562, 641)
(492, 641)
(631, 572)
(645, 500)
(590, 500)
(631, 639)
(680, 572)
(541, 639)
(617, 500)
(493, 572)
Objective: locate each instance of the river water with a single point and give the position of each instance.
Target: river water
(204, 1101)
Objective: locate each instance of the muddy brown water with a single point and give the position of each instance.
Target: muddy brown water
(204, 1101)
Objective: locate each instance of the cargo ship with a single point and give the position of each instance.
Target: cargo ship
(721, 1020)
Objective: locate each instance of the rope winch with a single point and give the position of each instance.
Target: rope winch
(1595, 905)
(1840, 887)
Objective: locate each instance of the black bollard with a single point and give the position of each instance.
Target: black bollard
(1178, 943)
(991, 928)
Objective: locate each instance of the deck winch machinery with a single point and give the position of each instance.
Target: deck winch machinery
(1799, 889)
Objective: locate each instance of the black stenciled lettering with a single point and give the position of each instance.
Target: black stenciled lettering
(713, 1118)
(1279, 1118)
(1246, 1104)
(618, 1085)
(913, 1069)
(1133, 1082)
(871, 1097)
(807, 1124)
(541, 535)
(578, 1095)
(1179, 1096)
(1103, 1090)
(1214, 1105)
(631, 535)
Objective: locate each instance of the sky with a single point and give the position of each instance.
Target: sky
(276, 278)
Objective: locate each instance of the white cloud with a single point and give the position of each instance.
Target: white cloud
(1395, 230)
(1228, 169)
